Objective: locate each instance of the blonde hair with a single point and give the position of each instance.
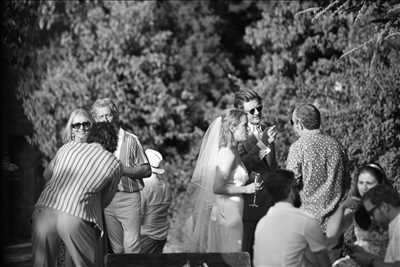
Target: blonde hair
(67, 131)
(230, 118)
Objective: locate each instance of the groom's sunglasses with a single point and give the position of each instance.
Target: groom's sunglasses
(253, 110)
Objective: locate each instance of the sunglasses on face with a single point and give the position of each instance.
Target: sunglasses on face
(253, 110)
(85, 125)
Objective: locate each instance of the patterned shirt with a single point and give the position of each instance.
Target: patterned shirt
(320, 161)
(131, 154)
(79, 173)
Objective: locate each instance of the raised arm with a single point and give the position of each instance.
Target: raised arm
(268, 138)
(225, 164)
(342, 218)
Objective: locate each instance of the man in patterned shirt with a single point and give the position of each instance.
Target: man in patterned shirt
(70, 206)
(319, 161)
(122, 216)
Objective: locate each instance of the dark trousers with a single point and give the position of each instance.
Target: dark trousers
(249, 227)
(151, 246)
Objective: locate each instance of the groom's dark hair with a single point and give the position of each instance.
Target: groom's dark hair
(279, 183)
(245, 96)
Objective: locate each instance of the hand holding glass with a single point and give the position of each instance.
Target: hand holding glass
(257, 183)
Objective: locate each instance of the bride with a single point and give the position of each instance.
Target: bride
(217, 185)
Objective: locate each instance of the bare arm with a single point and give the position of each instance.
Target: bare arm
(339, 221)
(137, 172)
(225, 165)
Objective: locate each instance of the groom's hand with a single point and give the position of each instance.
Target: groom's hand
(269, 135)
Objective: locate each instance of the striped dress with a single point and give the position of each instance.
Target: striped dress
(80, 172)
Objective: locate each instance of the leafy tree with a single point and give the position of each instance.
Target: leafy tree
(160, 61)
(167, 63)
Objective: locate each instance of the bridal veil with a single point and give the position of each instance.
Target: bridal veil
(201, 191)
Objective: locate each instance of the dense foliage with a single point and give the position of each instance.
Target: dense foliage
(296, 59)
(168, 64)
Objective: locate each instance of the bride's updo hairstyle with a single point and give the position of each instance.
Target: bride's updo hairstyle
(230, 119)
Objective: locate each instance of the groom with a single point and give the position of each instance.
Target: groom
(258, 155)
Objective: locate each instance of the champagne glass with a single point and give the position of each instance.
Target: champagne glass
(257, 183)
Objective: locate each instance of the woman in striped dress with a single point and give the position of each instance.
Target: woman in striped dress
(76, 129)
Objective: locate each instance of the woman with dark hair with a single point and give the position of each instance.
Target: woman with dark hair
(374, 239)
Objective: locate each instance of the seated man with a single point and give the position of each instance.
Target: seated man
(155, 201)
(287, 236)
(383, 205)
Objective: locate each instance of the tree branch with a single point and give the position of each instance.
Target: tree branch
(356, 48)
(334, 3)
(311, 9)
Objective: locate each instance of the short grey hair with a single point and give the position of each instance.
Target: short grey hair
(309, 116)
(105, 102)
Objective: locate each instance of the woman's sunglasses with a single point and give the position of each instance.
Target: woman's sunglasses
(253, 110)
(85, 125)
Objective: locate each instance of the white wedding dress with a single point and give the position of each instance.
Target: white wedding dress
(226, 227)
(215, 221)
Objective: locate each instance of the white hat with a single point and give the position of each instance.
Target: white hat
(155, 159)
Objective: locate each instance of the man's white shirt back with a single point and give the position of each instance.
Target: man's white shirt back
(393, 249)
(285, 235)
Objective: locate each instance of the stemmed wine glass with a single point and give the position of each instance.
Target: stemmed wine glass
(257, 183)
